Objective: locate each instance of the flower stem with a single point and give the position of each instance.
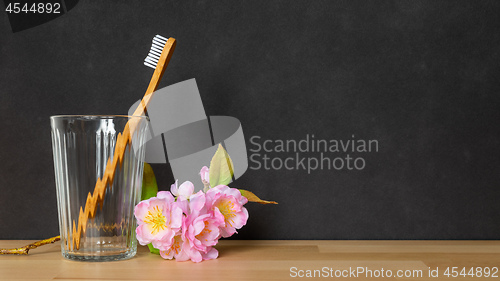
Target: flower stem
(24, 250)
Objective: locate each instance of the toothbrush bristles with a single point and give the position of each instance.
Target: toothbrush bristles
(155, 52)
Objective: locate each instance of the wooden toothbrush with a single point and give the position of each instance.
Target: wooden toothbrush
(158, 58)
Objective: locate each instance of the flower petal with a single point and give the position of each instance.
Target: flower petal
(141, 210)
(176, 218)
(195, 255)
(174, 189)
(227, 231)
(186, 190)
(166, 241)
(240, 218)
(204, 174)
(167, 255)
(140, 236)
(183, 205)
(167, 196)
(211, 254)
(197, 203)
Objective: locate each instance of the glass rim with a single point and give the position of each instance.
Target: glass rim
(97, 116)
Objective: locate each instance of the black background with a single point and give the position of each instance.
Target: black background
(421, 77)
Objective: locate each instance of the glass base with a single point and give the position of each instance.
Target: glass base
(101, 256)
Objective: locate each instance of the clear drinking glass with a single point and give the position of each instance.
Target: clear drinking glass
(96, 220)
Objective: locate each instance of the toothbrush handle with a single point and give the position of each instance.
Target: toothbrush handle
(97, 197)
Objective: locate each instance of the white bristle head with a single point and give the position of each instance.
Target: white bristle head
(155, 52)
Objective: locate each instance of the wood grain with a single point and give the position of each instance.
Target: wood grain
(259, 260)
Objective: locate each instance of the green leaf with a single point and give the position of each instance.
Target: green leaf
(149, 189)
(221, 168)
(149, 185)
(153, 250)
(253, 198)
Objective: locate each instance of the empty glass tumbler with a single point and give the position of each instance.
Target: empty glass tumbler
(98, 162)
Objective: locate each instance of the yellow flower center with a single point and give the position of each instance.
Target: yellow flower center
(226, 208)
(176, 247)
(156, 219)
(204, 232)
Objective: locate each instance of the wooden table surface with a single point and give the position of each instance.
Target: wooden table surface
(267, 260)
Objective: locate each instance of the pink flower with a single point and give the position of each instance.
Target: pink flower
(187, 226)
(195, 204)
(202, 231)
(175, 250)
(201, 228)
(205, 178)
(199, 233)
(197, 256)
(181, 251)
(227, 203)
(204, 173)
(184, 191)
(159, 219)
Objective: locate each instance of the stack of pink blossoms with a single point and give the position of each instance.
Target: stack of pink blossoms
(187, 226)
